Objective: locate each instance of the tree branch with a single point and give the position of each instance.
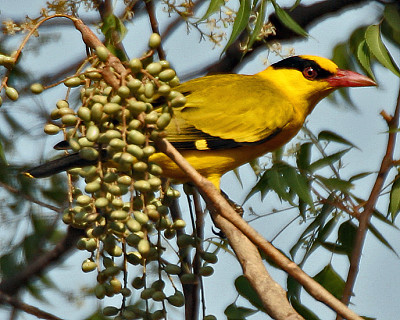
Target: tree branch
(154, 26)
(4, 298)
(365, 217)
(271, 293)
(12, 285)
(214, 200)
(29, 198)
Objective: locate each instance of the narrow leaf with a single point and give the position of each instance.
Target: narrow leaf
(381, 238)
(328, 160)
(261, 186)
(335, 183)
(325, 232)
(334, 137)
(241, 21)
(258, 25)
(394, 202)
(317, 223)
(383, 218)
(213, 7)
(288, 21)
(237, 175)
(375, 44)
(3, 160)
(359, 176)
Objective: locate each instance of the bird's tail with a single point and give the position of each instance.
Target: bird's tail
(58, 165)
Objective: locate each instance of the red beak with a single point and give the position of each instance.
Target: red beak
(346, 78)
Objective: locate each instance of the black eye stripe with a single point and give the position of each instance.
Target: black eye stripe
(301, 64)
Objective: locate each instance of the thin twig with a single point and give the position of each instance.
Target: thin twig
(365, 217)
(29, 198)
(154, 26)
(199, 233)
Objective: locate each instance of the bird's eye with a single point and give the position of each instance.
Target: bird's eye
(309, 73)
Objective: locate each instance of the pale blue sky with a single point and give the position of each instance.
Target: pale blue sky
(378, 282)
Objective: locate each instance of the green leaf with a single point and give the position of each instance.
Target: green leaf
(359, 176)
(364, 58)
(294, 6)
(245, 289)
(299, 184)
(255, 165)
(258, 25)
(109, 24)
(3, 160)
(342, 58)
(356, 37)
(335, 248)
(237, 175)
(375, 44)
(293, 288)
(261, 186)
(213, 7)
(318, 222)
(381, 238)
(390, 33)
(325, 232)
(392, 16)
(394, 202)
(303, 156)
(271, 180)
(233, 312)
(287, 20)
(241, 22)
(303, 310)
(327, 161)
(334, 137)
(335, 183)
(383, 218)
(331, 281)
(347, 236)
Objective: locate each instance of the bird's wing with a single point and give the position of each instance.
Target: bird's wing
(242, 110)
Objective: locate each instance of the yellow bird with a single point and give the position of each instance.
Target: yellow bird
(231, 119)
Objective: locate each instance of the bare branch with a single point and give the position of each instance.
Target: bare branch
(215, 200)
(4, 298)
(12, 285)
(365, 217)
(277, 305)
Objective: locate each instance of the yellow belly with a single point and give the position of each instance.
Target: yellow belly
(212, 164)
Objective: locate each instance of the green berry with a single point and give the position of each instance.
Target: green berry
(12, 94)
(37, 88)
(154, 41)
(102, 52)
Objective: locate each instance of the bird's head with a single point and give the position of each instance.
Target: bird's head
(312, 78)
